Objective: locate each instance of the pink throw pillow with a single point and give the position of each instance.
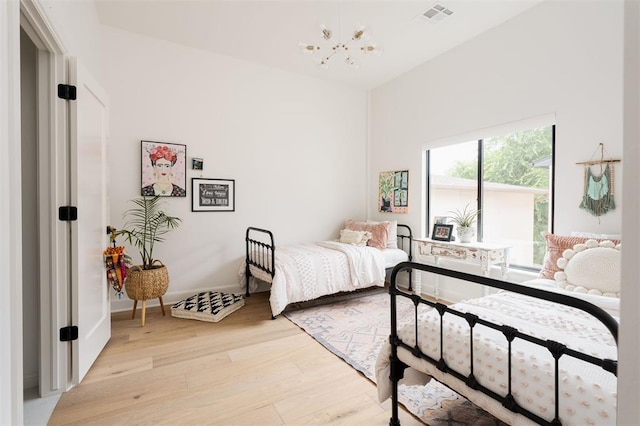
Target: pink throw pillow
(379, 232)
(556, 245)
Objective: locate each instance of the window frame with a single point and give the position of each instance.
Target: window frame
(480, 186)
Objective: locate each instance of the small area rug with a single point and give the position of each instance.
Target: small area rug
(356, 328)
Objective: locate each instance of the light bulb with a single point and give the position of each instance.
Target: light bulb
(360, 34)
(326, 33)
(371, 48)
(308, 49)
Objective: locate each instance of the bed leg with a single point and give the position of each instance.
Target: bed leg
(247, 275)
(397, 372)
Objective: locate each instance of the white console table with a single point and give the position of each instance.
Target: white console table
(482, 254)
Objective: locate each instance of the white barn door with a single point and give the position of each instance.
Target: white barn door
(90, 305)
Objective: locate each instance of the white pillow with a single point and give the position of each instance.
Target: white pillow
(593, 267)
(357, 238)
(596, 236)
(392, 241)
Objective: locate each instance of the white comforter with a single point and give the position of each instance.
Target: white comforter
(307, 271)
(587, 393)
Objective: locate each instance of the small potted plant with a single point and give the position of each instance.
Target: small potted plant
(146, 225)
(464, 221)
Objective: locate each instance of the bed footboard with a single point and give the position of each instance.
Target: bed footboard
(260, 252)
(506, 399)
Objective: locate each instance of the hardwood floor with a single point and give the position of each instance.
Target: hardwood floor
(244, 370)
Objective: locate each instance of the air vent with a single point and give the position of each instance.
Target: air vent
(435, 14)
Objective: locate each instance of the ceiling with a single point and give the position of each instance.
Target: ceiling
(269, 32)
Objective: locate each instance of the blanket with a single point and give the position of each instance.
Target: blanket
(310, 270)
(588, 394)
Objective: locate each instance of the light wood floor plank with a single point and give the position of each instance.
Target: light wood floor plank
(244, 370)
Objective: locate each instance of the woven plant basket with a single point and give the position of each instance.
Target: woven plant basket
(145, 284)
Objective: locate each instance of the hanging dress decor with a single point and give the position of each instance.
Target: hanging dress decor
(599, 185)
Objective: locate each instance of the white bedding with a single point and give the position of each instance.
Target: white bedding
(394, 256)
(308, 271)
(587, 393)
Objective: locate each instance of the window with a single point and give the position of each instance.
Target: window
(508, 178)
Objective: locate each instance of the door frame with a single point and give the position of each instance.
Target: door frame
(53, 191)
(11, 385)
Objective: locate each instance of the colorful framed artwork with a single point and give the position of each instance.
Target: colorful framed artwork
(164, 169)
(213, 195)
(393, 195)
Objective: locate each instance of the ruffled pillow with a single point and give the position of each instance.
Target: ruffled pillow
(556, 245)
(379, 232)
(357, 238)
(593, 267)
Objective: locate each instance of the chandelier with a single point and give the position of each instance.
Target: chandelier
(345, 50)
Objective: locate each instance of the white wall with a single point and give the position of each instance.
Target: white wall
(561, 57)
(295, 146)
(76, 24)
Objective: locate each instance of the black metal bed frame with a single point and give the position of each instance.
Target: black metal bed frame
(557, 349)
(261, 249)
(260, 253)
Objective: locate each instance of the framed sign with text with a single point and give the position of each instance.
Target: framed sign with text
(213, 195)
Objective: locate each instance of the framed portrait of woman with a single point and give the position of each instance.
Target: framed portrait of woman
(164, 169)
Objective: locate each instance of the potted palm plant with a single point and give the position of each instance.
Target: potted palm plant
(464, 221)
(146, 225)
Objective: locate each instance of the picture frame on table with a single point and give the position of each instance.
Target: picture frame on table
(442, 232)
(440, 220)
(213, 195)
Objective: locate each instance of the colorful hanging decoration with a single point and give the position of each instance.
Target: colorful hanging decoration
(116, 261)
(599, 185)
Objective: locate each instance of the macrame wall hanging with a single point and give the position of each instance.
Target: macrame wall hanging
(599, 183)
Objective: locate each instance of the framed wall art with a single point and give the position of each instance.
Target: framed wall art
(197, 163)
(393, 196)
(164, 169)
(213, 195)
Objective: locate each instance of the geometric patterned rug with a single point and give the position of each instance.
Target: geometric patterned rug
(355, 329)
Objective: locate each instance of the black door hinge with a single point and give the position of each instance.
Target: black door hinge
(67, 91)
(67, 334)
(67, 213)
